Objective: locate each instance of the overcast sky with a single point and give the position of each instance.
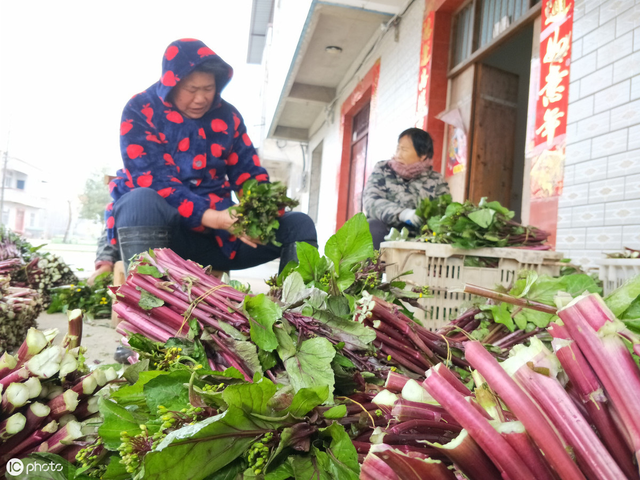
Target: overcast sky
(68, 68)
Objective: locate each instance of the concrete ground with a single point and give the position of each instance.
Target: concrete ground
(100, 337)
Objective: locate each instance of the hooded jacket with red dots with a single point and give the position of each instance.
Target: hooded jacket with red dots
(193, 164)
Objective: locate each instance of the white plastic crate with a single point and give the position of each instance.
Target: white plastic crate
(615, 271)
(441, 268)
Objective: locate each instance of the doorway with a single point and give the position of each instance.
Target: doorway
(358, 160)
(19, 221)
(500, 123)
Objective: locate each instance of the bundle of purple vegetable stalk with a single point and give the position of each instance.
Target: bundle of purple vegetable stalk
(19, 308)
(573, 413)
(164, 291)
(46, 391)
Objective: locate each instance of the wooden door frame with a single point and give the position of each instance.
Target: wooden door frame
(351, 193)
(364, 92)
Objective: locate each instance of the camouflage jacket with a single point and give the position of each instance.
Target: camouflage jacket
(387, 194)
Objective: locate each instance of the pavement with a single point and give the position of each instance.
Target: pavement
(100, 337)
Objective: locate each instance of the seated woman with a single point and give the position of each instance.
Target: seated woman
(185, 150)
(396, 187)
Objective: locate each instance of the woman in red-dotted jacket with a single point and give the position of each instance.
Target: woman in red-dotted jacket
(185, 149)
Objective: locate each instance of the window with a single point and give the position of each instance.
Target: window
(32, 219)
(463, 43)
(20, 184)
(5, 216)
(480, 21)
(8, 179)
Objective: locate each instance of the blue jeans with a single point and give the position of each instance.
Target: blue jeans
(143, 207)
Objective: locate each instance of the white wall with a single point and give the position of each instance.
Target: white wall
(600, 206)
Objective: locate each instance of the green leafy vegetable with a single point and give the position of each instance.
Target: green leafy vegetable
(261, 204)
(263, 313)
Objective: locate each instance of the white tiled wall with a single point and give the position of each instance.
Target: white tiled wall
(600, 206)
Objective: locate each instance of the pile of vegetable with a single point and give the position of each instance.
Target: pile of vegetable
(488, 224)
(332, 378)
(19, 309)
(47, 390)
(29, 267)
(626, 253)
(26, 279)
(261, 204)
(94, 299)
(509, 318)
(568, 411)
(469, 226)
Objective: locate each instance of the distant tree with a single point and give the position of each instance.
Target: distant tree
(95, 198)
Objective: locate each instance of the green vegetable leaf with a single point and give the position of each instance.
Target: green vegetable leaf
(307, 468)
(132, 372)
(195, 451)
(334, 413)
(263, 314)
(306, 399)
(142, 343)
(622, 298)
(338, 306)
(501, 314)
(117, 419)
(149, 270)
(310, 364)
(169, 391)
(250, 397)
(292, 287)
(247, 352)
(345, 279)
(134, 394)
(115, 470)
(483, 217)
(149, 301)
(308, 261)
(355, 335)
(351, 244)
(341, 452)
(267, 359)
(527, 316)
(230, 472)
(498, 208)
(283, 472)
(545, 288)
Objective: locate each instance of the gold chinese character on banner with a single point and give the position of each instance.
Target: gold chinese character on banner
(551, 122)
(552, 91)
(557, 49)
(427, 34)
(424, 79)
(555, 10)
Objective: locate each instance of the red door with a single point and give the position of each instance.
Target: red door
(19, 221)
(358, 164)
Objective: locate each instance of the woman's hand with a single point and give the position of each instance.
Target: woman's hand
(218, 219)
(223, 220)
(99, 271)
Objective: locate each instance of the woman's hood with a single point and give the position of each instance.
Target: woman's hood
(179, 60)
